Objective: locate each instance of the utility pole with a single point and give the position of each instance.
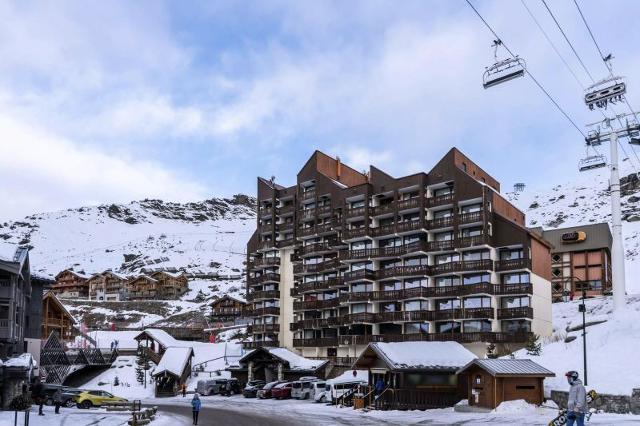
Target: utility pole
(617, 250)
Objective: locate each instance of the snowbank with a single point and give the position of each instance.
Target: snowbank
(124, 368)
(612, 347)
(517, 406)
(347, 376)
(296, 362)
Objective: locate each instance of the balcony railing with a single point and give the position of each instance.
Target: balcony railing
(409, 225)
(443, 245)
(356, 233)
(459, 266)
(320, 285)
(354, 212)
(468, 337)
(475, 240)
(323, 210)
(272, 310)
(509, 289)
(261, 344)
(264, 278)
(513, 264)
(366, 296)
(266, 211)
(262, 295)
(511, 313)
(315, 323)
(360, 318)
(311, 268)
(478, 313)
(447, 314)
(263, 328)
(440, 200)
(441, 222)
(285, 243)
(307, 195)
(471, 217)
(285, 209)
(315, 304)
(360, 274)
(383, 230)
(319, 342)
(266, 261)
(404, 271)
(411, 203)
(383, 209)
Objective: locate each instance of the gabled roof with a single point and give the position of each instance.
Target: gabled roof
(13, 257)
(174, 361)
(292, 360)
(143, 277)
(510, 367)
(226, 296)
(77, 274)
(51, 295)
(434, 356)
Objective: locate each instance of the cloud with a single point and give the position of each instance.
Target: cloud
(42, 172)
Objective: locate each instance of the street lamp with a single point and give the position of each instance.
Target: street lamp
(582, 308)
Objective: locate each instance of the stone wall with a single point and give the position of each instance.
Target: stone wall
(622, 404)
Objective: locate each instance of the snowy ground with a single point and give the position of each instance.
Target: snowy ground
(612, 346)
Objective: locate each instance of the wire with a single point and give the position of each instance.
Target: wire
(527, 71)
(567, 40)
(606, 64)
(552, 45)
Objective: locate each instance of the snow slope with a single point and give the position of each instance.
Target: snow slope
(585, 199)
(206, 237)
(612, 346)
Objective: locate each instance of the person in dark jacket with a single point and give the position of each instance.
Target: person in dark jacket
(577, 402)
(184, 390)
(196, 404)
(57, 400)
(37, 394)
(379, 388)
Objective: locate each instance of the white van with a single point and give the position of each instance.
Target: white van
(301, 388)
(335, 389)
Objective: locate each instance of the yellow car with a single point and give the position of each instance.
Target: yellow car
(95, 398)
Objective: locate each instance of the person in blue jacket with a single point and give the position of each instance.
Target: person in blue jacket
(195, 405)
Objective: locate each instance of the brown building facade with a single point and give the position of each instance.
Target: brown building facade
(580, 259)
(55, 317)
(71, 285)
(342, 259)
(227, 310)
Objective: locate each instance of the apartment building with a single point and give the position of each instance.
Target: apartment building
(342, 259)
(159, 285)
(107, 286)
(580, 259)
(70, 284)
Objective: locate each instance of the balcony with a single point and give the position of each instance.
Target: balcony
(370, 296)
(258, 312)
(318, 248)
(471, 217)
(266, 211)
(409, 225)
(514, 289)
(264, 278)
(440, 200)
(308, 195)
(349, 234)
(324, 210)
(284, 227)
(447, 314)
(263, 295)
(444, 245)
(320, 285)
(404, 316)
(263, 328)
(475, 240)
(383, 209)
(404, 272)
(318, 342)
(266, 262)
(411, 203)
(360, 274)
(308, 213)
(359, 318)
(313, 268)
(286, 243)
(441, 222)
(514, 313)
(513, 264)
(462, 266)
(284, 210)
(355, 212)
(261, 344)
(315, 323)
(478, 313)
(383, 230)
(315, 304)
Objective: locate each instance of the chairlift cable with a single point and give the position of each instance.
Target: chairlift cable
(567, 40)
(546, 36)
(604, 60)
(527, 71)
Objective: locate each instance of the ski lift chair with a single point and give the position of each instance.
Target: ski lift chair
(502, 70)
(592, 162)
(593, 138)
(609, 90)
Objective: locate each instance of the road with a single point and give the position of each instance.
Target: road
(220, 416)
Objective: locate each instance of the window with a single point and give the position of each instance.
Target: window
(390, 307)
(444, 236)
(470, 256)
(356, 204)
(446, 258)
(446, 304)
(471, 232)
(391, 285)
(416, 261)
(447, 281)
(477, 302)
(360, 287)
(415, 283)
(471, 208)
(516, 278)
(448, 327)
(477, 326)
(443, 191)
(359, 245)
(556, 258)
(511, 254)
(391, 242)
(416, 305)
(416, 327)
(513, 326)
(357, 308)
(476, 279)
(442, 213)
(361, 265)
(556, 272)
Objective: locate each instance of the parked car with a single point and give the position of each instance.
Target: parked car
(96, 398)
(301, 388)
(216, 386)
(69, 396)
(316, 388)
(335, 389)
(49, 389)
(252, 388)
(265, 392)
(282, 391)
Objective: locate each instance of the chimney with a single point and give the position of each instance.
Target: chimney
(338, 167)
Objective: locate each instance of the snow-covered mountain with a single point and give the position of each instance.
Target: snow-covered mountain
(585, 199)
(205, 237)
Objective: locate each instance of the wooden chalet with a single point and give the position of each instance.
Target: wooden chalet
(227, 310)
(416, 375)
(143, 287)
(107, 286)
(171, 285)
(70, 284)
(55, 317)
(270, 364)
(493, 381)
(173, 370)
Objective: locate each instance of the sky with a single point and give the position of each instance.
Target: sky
(117, 101)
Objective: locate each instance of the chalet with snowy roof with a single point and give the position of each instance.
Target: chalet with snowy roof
(227, 310)
(416, 375)
(490, 382)
(107, 286)
(270, 364)
(142, 287)
(173, 370)
(70, 284)
(56, 318)
(171, 285)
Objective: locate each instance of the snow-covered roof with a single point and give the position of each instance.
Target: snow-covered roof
(170, 274)
(419, 355)
(165, 339)
(145, 277)
(510, 367)
(7, 252)
(347, 377)
(227, 296)
(295, 361)
(23, 360)
(174, 361)
(77, 274)
(13, 257)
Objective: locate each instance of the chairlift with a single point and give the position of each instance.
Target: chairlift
(593, 138)
(591, 162)
(609, 90)
(502, 70)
